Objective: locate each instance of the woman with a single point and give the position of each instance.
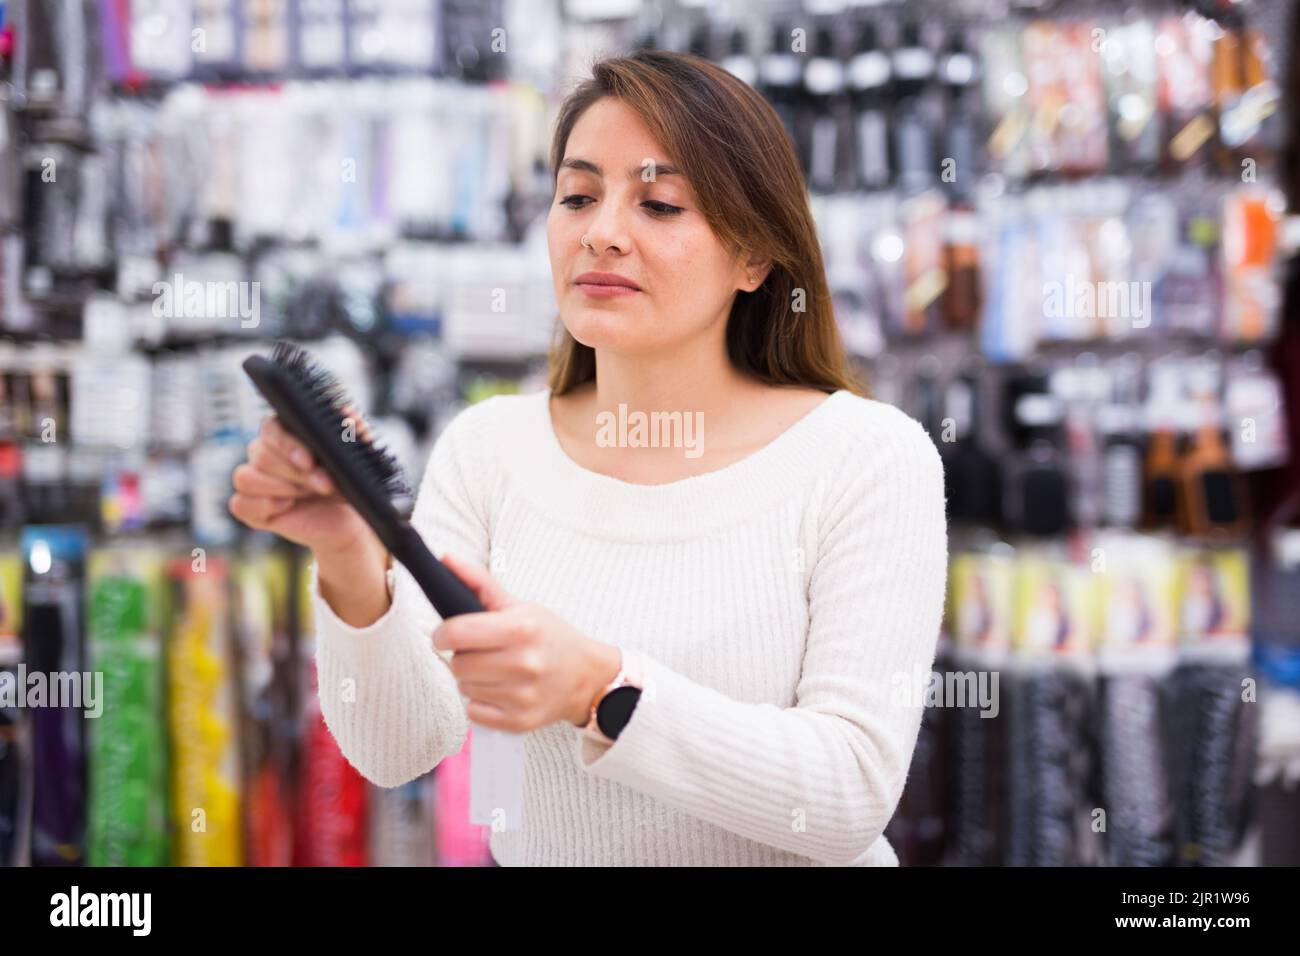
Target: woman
(734, 610)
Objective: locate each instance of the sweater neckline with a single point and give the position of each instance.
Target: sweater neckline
(752, 462)
(611, 508)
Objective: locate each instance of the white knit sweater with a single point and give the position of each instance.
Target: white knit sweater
(785, 610)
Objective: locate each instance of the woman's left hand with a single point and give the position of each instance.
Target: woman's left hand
(521, 666)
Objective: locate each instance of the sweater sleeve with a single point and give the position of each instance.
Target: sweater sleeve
(821, 778)
(387, 695)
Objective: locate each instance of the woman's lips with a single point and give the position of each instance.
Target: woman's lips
(597, 291)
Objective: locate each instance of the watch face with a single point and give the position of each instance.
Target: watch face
(615, 710)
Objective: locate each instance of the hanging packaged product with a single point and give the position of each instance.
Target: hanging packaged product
(265, 37)
(959, 76)
(1211, 492)
(1218, 713)
(128, 744)
(870, 73)
(384, 36)
(115, 45)
(1122, 307)
(1185, 92)
(160, 38)
(973, 478)
(1069, 302)
(60, 691)
(831, 130)
(12, 510)
(202, 716)
(882, 257)
(917, 831)
(1042, 45)
(1081, 136)
(780, 72)
(110, 399)
(916, 113)
(1153, 232)
(1036, 478)
(1251, 219)
(269, 705)
(840, 221)
(10, 174)
(1256, 415)
(1163, 417)
(1129, 52)
(1120, 432)
(738, 61)
(1136, 727)
(1004, 88)
(47, 451)
(982, 603)
(401, 824)
(1247, 100)
(924, 275)
(215, 38)
(458, 841)
(227, 420)
(961, 300)
(1047, 701)
(473, 45)
(929, 411)
(53, 48)
(331, 808)
(1014, 304)
(15, 739)
(320, 46)
(1082, 387)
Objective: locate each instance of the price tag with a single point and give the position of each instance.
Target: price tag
(496, 782)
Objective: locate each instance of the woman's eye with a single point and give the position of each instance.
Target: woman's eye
(578, 201)
(662, 208)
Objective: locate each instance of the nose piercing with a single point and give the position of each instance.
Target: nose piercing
(584, 242)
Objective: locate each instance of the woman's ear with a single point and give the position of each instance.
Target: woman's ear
(755, 272)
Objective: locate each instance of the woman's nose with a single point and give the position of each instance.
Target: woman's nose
(607, 231)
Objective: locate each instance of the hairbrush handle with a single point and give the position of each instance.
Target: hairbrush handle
(448, 594)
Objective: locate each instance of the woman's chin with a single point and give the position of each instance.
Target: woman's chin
(603, 328)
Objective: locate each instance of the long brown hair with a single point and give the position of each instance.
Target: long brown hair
(738, 158)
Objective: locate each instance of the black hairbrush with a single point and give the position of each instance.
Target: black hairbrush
(313, 407)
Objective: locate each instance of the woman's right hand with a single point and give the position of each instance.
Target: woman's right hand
(282, 489)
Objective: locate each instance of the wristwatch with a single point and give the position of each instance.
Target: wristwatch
(613, 706)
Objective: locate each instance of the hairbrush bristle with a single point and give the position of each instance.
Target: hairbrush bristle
(329, 401)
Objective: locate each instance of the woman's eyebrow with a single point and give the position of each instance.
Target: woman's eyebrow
(660, 169)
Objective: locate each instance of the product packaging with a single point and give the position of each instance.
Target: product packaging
(128, 742)
(203, 715)
(332, 795)
(983, 591)
(1218, 711)
(269, 705)
(58, 685)
(15, 741)
(1136, 725)
(1047, 695)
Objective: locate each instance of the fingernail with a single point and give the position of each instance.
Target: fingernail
(320, 481)
(301, 458)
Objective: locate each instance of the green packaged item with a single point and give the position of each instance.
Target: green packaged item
(128, 778)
